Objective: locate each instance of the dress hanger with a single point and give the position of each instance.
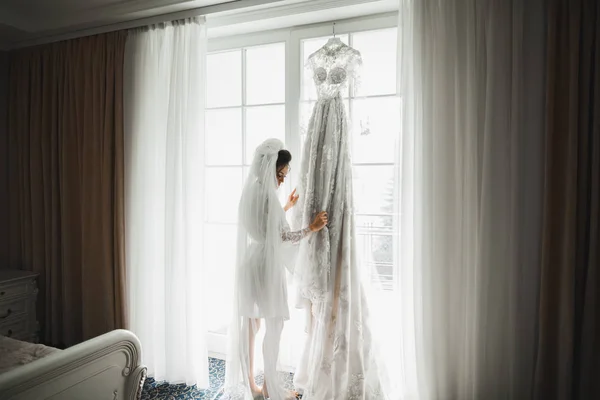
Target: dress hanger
(334, 39)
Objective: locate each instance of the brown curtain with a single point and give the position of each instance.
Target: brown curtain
(66, 182)
(4, 234)
(568, 355)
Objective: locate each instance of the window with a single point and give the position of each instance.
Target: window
(257, 89)
(245, 105)
(374, 113)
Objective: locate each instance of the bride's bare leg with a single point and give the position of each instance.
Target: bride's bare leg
(254, 327)
(289, 394)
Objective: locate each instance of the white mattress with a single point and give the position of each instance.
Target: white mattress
(14, 353)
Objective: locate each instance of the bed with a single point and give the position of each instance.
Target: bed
(106, 367)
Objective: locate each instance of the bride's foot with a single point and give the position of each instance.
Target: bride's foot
(290, 394)
(257, 392)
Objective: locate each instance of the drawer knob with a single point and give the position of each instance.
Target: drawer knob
(8, 312)
(2, 293)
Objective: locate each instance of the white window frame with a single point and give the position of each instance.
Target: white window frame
(292, 37)
(293, 75)
(243, 107)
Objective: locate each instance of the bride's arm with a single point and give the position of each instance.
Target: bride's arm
(296, 236)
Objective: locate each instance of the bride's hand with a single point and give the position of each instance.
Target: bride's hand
(319, 222)
(292, 200)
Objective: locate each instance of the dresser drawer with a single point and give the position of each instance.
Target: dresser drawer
(18, 294)
(10, 308)
(7, 291)
(15, 329)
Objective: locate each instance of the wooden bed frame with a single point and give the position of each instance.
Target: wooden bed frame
(106, 367)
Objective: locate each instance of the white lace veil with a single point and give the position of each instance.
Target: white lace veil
(260, 222)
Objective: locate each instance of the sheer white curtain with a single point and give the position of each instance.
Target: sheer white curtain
(469, 195)
(164, 127)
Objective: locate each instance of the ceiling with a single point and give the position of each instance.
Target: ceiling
(30, 22)
(26, 20)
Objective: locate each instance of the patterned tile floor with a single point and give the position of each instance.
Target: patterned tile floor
(154, 390)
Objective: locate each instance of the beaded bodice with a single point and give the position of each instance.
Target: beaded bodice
(332, 66)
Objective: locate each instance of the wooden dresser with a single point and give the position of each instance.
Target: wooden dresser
(18, 293)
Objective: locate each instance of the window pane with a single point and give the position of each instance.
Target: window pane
(374, 189)
(382, 224)
(375, 240)
(265, 74)
(309, 46)
(224, 79)
(263, 123)
(375, 129)
(378, 49)
(219, 259)
(376, 257)
(224, 136)
(223, 191)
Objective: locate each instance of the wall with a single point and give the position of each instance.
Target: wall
(3, 160)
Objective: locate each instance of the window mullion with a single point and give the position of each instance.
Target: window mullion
(244, 160)
(293, 82)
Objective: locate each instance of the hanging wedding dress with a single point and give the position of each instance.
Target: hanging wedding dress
(339, 360)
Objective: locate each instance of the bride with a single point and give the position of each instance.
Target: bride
(264, 247)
